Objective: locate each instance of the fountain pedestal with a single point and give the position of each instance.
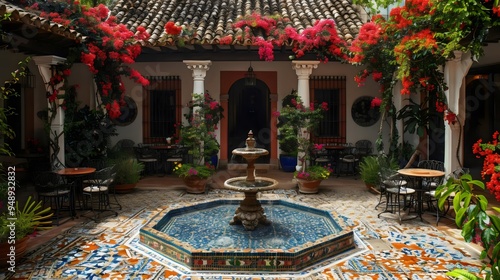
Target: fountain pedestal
(250, 212)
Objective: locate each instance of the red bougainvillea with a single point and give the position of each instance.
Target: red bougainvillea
(108, 49)
(491, 165)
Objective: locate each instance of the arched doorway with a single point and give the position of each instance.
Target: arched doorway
(249, 108)
(482, 116)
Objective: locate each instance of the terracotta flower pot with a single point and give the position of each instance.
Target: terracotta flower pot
(308, 186)
(20, 249)
(372, 188)
(125, 188)
(195, 184)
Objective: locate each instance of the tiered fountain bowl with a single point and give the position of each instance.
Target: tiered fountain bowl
(250, 213)
(199, 237)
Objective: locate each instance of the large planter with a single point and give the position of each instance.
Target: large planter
(125, 188)
(195, 184)
(308, 186)
(214, 159)
(372, 188)
(288, 163)
(20, 249)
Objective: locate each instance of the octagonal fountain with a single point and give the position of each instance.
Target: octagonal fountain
(290, 238)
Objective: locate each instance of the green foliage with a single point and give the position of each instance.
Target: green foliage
(87, 132)
(314, 172)
(128, 170)
(287, 129)
(417, 118)
(369, 170)
(198, 137)
(28, 218)
(370, 166)
(188, 170)
(305, 120)
(479, 223)
(6, 91)
(94, 3)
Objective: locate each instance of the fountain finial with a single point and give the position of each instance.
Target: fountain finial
(250, 141)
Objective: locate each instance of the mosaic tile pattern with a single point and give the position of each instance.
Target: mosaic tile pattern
(416, 251)
(200, 237)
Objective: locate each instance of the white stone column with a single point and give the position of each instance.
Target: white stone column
(455, 71)
(303, 69)
(199, 68)
(45, 64)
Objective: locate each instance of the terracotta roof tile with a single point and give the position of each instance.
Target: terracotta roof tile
(211, 20)
(30, 18)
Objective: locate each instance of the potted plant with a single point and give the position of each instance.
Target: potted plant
(17, 223)
(310, 180)
(210, 150)
(287, 134)
(306, 120)
(369, 170)
(127, 173)
(198, 137)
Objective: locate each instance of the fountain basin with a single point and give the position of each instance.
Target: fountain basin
(241, 184)
(199, 237)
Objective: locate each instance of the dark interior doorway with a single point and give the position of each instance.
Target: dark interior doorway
(249, 109)
(483, 118)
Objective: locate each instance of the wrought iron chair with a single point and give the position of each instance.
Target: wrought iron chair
(363, 148)
(53, 191)
(348, 165)
(173, 158)
(149, 157)
(399, 197)
(96, 195)
(432, 200)
(433, 182)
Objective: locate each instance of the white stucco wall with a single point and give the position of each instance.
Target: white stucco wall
(287, 80)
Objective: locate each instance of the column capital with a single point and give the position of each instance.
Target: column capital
(47, 60)
(304, 68)
(198, 64)
(199, 67)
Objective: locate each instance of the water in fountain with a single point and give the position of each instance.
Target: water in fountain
(197, 235)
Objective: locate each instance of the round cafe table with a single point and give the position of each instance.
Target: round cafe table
(74, 175)
(419, 174)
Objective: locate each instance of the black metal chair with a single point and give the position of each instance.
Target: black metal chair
(149, 157)
(363, 148)
(53, 192)
(432, 200)
(96, 195)
(432, 182)
(174, 157)
(399, 198)
(348, 165)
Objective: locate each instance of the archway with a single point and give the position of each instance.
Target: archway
(249, 108)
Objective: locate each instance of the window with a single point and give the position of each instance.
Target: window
(332, 90)
(161, 108)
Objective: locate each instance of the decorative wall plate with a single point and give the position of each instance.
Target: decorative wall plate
(128, 112)
(362, 112)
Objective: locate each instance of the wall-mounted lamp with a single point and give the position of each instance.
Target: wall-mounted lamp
(250, 79)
